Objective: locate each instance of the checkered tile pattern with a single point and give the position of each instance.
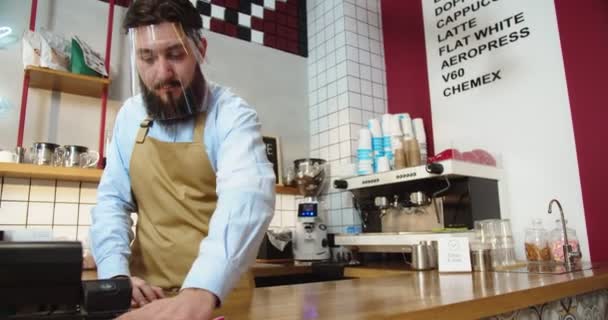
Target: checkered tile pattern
(279, 24)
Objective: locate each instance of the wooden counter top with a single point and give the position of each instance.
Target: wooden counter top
(258, 270)
(378, 269)
(395, 292)
(411, 295)
(272, 269)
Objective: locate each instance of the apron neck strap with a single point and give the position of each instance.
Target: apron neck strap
(144, 127)
(199, 126)
(197, 135)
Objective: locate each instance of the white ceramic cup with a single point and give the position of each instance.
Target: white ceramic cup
(8, 156)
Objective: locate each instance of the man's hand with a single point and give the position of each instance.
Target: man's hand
(144, 293)
(189, 304)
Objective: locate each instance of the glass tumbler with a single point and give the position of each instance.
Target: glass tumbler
(505, 241)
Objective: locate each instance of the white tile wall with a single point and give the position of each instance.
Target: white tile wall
(332, 104)
(40, 213)
(334, 153)
(67, 191)
(347, 216)
(355, 116)
(33, 227)
(354, 99)
(13, 212)
(347, 200)
(15, 189)
(65, 232)
(343, 119)
(285, 212)
(276, 220)
(42, 190)
(288, 219)
(367, 103)
(345, 36)
(66, 214)
(88, 192)
(83, 235)
(334, 135)
(288, 201)
(335, 219)
(345, 131)
(71, 218)
(323, 139)
(62, 206)
(345, 147)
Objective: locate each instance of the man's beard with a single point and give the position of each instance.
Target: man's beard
(189, 103)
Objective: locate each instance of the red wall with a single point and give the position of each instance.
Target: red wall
(583, 28)
(405, 56)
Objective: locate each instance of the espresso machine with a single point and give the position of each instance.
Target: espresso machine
(403, 207)
(310, 238)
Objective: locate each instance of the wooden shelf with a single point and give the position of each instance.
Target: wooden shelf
(49, 79)
(26, 170)
(287, 190)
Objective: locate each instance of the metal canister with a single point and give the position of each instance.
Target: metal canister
(433, 254)
(481, 260)
(43, 153)
(420, 256)
(20, 152)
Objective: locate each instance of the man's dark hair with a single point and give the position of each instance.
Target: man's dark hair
(147, 12)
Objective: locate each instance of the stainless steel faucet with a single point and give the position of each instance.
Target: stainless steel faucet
(570, 255)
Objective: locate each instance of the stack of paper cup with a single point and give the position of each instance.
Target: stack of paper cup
(406, 125)
(412, 152)
(365, 160)
(386, 136)
(398, 161)
(421, 137)
(395, 127)
(383, 164)
(377, 142)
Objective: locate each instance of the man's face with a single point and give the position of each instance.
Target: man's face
(168, 70)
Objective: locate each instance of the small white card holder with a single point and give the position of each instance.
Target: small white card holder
(453, 255)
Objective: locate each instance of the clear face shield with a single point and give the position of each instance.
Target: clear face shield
(166, 70)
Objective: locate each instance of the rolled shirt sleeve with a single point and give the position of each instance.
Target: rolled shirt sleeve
(110, 231)
(246, 198)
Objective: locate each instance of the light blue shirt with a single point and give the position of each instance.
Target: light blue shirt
(245, 189)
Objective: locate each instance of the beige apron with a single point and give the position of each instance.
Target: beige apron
(174, 187)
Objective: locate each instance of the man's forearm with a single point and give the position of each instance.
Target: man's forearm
(110, 237)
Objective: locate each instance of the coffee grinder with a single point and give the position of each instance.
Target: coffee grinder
(310, 239)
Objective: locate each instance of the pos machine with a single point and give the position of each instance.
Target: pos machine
(42, 280)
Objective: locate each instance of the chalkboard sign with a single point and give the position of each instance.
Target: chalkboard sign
(273, 152)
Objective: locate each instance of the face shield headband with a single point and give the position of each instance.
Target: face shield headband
(166, 70)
